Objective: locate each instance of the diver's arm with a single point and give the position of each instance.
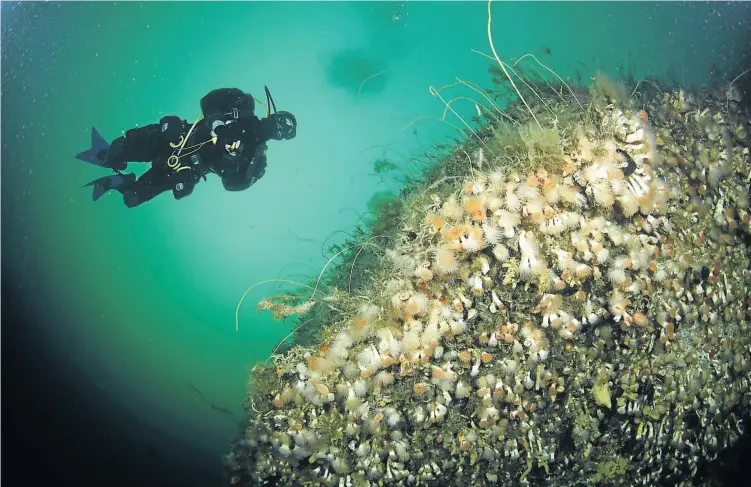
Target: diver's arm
(232, 184)
(254, 170)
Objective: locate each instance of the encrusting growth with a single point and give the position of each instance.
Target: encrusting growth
(571, 306)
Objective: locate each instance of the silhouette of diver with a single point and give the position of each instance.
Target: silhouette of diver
(228, 139)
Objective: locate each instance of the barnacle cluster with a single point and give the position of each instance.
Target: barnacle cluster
(573, 310)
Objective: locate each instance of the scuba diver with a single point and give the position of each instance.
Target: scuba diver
(228, 139)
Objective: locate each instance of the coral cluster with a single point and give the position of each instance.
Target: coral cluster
(575, 310)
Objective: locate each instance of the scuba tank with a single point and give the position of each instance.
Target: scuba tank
(226, 105)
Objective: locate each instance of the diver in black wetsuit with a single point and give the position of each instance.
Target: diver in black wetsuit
(228, 140)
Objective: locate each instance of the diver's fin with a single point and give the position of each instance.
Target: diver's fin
(102, 185)
(98, 145)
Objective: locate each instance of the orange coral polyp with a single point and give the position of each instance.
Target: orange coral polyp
(359, 323)
(475, 208)
(532, 180)
(452, 233)
(437, 221)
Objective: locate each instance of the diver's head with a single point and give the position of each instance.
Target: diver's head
(278, 125)
(285, 126)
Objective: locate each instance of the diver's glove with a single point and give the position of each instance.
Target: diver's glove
(229, 136)
(280, 126)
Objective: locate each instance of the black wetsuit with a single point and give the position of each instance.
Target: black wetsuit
(156, 143)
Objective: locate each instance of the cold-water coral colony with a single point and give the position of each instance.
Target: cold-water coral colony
(567, 305)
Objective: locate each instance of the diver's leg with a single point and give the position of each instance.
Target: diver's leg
(151, 184)
(141, 144)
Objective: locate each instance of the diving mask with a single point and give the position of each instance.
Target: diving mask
(285, 126)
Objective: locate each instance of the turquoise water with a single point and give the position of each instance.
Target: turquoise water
(126, 317)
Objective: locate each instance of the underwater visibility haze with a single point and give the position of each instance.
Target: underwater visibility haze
(508, 245)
